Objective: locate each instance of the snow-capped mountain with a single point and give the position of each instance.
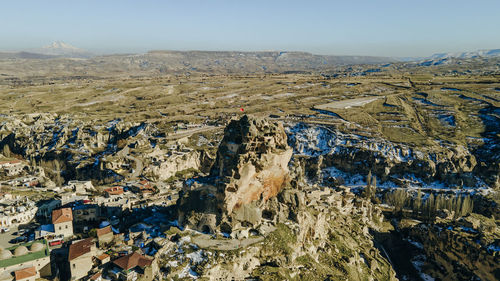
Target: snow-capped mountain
(59, 48)
(439, 58)
(467, 55)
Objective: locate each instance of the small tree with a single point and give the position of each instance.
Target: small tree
(398, 199)
(417, 203)
(429, 209)
(371, 186)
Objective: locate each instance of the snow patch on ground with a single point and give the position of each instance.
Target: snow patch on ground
(187, 272)
(418, 262)
(416, 244)
(196, 257)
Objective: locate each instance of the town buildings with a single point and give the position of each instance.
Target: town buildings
(24, 259)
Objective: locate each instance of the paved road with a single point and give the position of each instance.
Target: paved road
(6, 237)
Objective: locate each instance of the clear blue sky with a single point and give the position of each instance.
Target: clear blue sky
(359, 27)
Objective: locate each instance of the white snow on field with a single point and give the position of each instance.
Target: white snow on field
(418, 262)
(187, 272)
(196, 257)
(416, 244)
(314, 140)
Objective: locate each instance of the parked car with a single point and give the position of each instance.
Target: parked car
(4, 229)
(18, 240)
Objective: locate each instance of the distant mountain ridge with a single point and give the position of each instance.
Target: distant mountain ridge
(62, 49)
(62, 57)
(467, 55)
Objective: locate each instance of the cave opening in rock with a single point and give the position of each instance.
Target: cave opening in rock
(206, 229)
(226, 228)
(268, 214)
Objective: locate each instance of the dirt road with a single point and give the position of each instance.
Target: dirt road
(205, 241)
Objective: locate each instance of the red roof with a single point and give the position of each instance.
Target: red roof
(25, 273)
(103, 257)
(10, 162)
(115, 190)
(79, 248)
(132, 260)
(62, 215)
(103, 231)
(96, 276)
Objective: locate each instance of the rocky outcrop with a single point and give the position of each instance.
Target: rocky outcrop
(252, 161)
(167, 166)
(250, 168)
(453, 165)
(79, 147)
(467, 250)
(308, 232)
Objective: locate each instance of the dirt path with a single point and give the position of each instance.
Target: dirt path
(205, 241)
(344, 104)
(189, 132)
(139, 166)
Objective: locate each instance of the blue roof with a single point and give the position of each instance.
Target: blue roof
(47, 227)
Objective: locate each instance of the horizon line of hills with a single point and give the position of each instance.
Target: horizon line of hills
(60, 49)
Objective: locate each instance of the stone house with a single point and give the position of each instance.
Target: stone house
(104, 235)
(80, 187)
(133, 266)
(12, 168)
(103, 259)
(46, 207)
(62, 219)
(80, 258)
(85, 213)
(113, 191)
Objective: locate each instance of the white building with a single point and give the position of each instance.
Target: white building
(17, 211)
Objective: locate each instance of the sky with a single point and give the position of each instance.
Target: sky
(399, 28)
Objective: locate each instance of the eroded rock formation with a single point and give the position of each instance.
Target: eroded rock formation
(251, 168)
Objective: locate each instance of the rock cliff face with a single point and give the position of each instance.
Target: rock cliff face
(252, 162)
(454, 252)
(73, 148)
(251, 167)
(452, 165)
(257, 192)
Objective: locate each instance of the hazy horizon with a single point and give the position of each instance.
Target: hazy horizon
(386, 28)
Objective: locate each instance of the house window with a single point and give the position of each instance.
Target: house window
(66, 226)
(74, 265)
(59, 228)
